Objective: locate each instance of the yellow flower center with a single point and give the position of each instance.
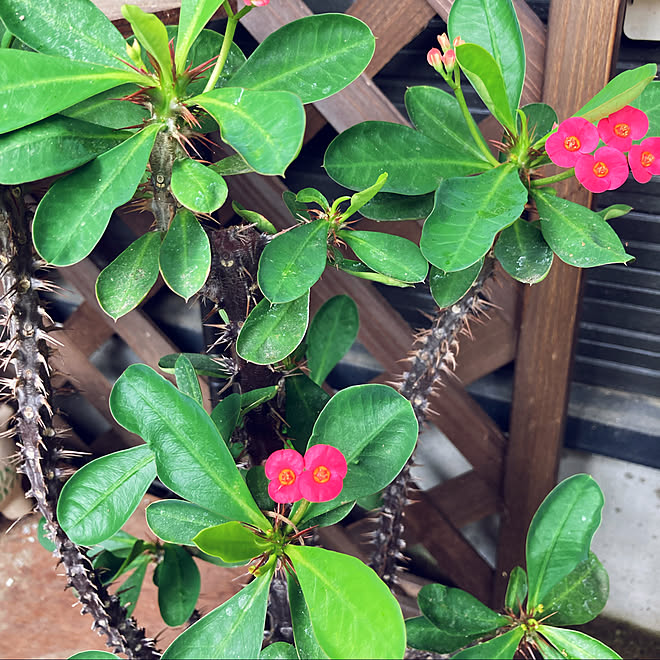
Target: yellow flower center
(622, 130)
(600, 169)
(647, 158)
(321, 474)
(571, 143)
(286, 477)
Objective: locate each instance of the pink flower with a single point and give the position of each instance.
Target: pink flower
(434, 58)
(458, 42)
(323, 478)
(284, 468)
(622, 127)
(644, 159)
(449, 60)
(605, 169)
(574, 136)
(257, 3)
(443, 40)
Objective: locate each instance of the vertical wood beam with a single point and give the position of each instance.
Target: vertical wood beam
(582, 39)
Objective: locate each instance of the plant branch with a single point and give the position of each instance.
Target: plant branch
(546, 181)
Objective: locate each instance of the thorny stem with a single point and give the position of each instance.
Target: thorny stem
(566, 174)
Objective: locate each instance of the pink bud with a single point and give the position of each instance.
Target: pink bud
(458, 42)
(434, 58)
(449, 60)
(257, 3)
(443, 40)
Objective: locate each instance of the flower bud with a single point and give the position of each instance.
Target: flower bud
(449, 60)
(443, 40)
(458, 42)
(434, 58)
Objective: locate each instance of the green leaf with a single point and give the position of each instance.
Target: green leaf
(500, 647)
(614, 211)
(359, 199)
(358, 269)
(422, 634)
(560, 533)
(93, 655)
(151, 33)
(197, 187)
(304, 401)
(204, 365)
(541, 119)
(252, 217)
(95, 191)
(123, 284)
(254, 398)
(457, 611)
(581, 595)
(279, 651)
(448, 288)
(193, 17)
(225, 415)
(516, 590)
(100, 497)
(293, 261)
(121, 543)
(390, 206)
(468, 214)
(486, 77)
(52, 146)
(232, 165)
(191, 457)
(265, 128)
(314, 57)
(75, 29)
(649, 102)
(129, 591)
(313, 196)
(376, 430)
(415, 164)
(177, 521)
(186, 379)
(523, 252)
(231, 541)
(178, 585)
(330, 517)
(547, 651)
(493, 25)
(331, 333)
(296, 208)
(307, 645)
(388, 254)
(257, 482)
(233, 630)
(185, 255)
(107, 565)
(576, 234)
(573, 644)
(353, 613)
(620, 91)
(34, 86)
(271, 332)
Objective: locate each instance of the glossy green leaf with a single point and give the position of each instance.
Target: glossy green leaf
(457, 611)
(649, 102)
(225, 415)
(448, 288)
(415, 163)
(107, 565)
(358, 269)
(388, 254)
(615, 211)
(573, 644)
(52, 146)
(307, 645)
(437, 115)
(186, 379)
(580, 596)
(297, 209)
(271, 332)
(191, 457)
(107, 109)
(541, 119)
(231, 541)
(330, 517)
(304, 401)
(313, 57)
(232, 631)
(279, 651)
(93, 655)
(75, 29)
(132, 559)
(516, 589)
(560, 533)
(331, 333)
(265, 127)
(129, 591)
(197, 187)
(523, 252)
(620, 91)
(293, 262)
(176, 521)
(151, 33)
(485, 75)
(502, 647)
(390, 206)
(261, 223)
(359, 199)
(468, 214)
(352, 612)
(34, 86)
(185, 255)
(493, 25)
(232, 165)
(178, 585)
(313, 196)
(100, 497)
(422, 634)
(95, 191)
(123, 284)
(193, 17)
(121, 543)
(254, 398)
(204, 365)
(376, 430)
(257, 482)
(547, 651)
(576, 234)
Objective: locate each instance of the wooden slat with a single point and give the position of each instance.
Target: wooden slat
(84, 330)
(112, 8)
(549, 317)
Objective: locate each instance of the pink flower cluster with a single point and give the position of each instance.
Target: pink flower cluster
(606, 168)
(318, 477)
(444, 64)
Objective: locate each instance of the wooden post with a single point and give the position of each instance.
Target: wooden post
(582, 40)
